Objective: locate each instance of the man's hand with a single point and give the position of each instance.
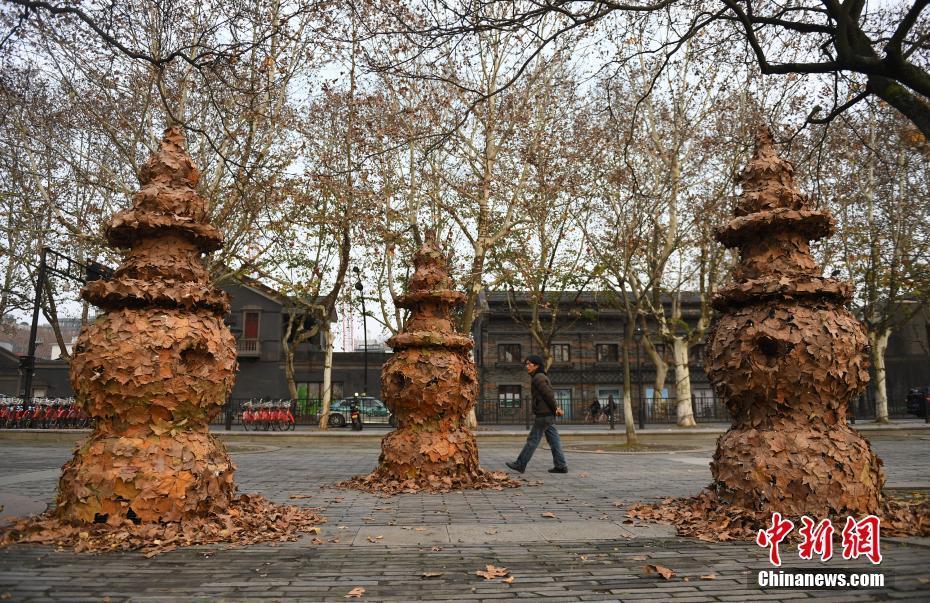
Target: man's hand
(559, 412)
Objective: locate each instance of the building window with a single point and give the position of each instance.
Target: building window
(608, 352)
(250, 324)
(508, 396)
(561, 352)
(508, 352)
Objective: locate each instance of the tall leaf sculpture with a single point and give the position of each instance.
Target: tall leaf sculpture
(786, 356)
(158, 364)
(430, 384)
(152, 371)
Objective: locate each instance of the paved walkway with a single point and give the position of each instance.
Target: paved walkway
(589, 550)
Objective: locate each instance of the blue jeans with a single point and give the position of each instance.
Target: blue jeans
(543, 425)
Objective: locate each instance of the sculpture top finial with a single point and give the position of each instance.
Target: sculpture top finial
(773, 227)
(167, 200)
(166, 230)
(768, 180)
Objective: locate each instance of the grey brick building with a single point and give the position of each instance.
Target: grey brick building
(587, 365)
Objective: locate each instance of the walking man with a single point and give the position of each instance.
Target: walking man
(545, 410)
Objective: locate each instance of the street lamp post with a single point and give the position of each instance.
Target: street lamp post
(52, 262)
(638, 336)
(360, 289)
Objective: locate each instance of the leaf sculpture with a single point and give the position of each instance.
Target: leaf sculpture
(153, 370)
(430, 384)
(786, 356)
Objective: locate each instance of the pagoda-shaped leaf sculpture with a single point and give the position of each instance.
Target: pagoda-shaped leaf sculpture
(786, 356)
(157, 365)
(152, 371)
(429, 384)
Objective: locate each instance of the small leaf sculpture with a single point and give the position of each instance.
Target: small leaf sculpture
(430, 384)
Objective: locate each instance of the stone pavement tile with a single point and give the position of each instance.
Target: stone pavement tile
(489, 533)
(650, 530)
(578, 530)
(401, 536)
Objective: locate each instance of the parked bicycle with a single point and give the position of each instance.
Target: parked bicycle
(43, 413)
(274, 415)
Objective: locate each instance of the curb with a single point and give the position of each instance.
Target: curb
(66, 436)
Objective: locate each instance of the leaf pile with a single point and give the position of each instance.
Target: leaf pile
(708, 518)
(786, 356)
(430, 384)
(156, 366)
(248, 519)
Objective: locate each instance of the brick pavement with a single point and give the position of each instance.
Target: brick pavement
(587, 552)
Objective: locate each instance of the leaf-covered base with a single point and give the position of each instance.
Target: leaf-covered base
(249, 519)
(708, 518)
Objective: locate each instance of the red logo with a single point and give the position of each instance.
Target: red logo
(773, 536)
(817, 538)
(859, 538)
(862, 538)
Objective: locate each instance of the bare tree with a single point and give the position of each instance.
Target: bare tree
(859, 49)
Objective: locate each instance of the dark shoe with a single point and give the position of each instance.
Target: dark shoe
(515, 467)
(559, 470)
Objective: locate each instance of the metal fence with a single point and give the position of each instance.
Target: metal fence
(495, 411)
(305, 411)
(491, 411)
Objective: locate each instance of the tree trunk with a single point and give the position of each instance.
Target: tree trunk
(327, 376)
(627, 394)
(471, 421)
(658, 398)
(879, 344)
(288, 350)
(684, 409)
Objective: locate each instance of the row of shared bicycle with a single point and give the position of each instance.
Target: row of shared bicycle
(41, 413)
(274, 415)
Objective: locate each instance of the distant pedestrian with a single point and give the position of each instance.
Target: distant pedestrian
(594, 410)
(545, 410)
(611, 410)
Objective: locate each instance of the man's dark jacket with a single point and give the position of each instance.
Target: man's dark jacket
(544, 403)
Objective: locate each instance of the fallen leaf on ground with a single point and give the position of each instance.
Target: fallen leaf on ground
(549, 514)
(492, 531)
(709, 577)
(658, 569)
(355, 593)
(431, 574)
(923, 580)
(375, 538)
(490, 572)
(299, 496)
(436, 548)
(508, 580)
(583, 474)
(583, 557)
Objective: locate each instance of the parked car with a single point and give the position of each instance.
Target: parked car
(917, 400)
(373, 411)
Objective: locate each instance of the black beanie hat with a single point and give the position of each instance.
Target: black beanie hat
(538, 361)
